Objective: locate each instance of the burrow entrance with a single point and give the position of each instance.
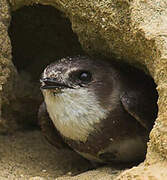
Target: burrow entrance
(39, 35)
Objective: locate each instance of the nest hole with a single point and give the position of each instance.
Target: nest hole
(39, 35)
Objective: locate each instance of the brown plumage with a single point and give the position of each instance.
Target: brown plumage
(99, 109)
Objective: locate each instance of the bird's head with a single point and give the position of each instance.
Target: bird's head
(76, 74)
(68, 73)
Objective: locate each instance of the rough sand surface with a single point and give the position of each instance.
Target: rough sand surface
(27, 155)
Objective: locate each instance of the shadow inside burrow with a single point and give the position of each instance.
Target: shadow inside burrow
(39, 35)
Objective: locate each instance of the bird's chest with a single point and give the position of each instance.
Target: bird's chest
(81, 122)
(74, 116)
(68, 125)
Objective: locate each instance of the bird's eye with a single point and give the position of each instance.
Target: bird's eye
(85, 77)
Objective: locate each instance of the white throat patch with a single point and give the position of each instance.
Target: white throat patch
(74, 112)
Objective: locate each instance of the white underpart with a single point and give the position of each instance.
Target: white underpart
(74, 112)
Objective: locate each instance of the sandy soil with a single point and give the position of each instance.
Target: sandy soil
(27, 155)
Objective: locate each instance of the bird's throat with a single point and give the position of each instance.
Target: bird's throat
(74, 113)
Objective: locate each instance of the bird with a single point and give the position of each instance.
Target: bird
(101, 109)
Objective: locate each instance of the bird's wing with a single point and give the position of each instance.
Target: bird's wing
(141, 107)
(49, 130)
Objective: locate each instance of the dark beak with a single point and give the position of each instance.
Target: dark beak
(52, 83)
